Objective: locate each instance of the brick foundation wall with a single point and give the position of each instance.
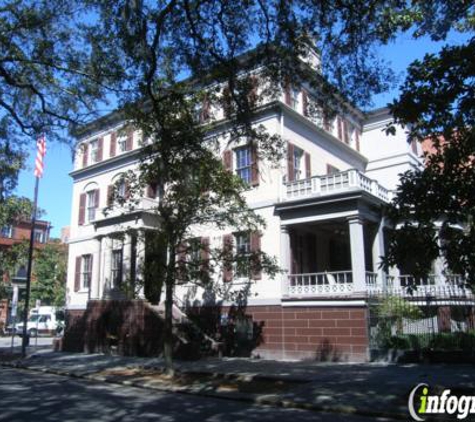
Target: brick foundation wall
(336, 334)
(125, 327)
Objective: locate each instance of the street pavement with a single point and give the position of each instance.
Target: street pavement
(373, 390)
(31, 396)
(6, 342)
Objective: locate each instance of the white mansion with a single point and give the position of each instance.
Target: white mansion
(323, 212)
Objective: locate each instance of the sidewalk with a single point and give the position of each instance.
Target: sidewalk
(364, 389)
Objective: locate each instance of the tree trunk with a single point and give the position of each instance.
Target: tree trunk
(168, 333)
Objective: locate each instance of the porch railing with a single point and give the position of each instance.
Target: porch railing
(314, 284)
(341, 282)
(333, 183)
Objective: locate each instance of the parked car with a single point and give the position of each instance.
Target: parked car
(46, 320)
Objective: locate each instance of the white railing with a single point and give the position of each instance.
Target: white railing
(141, 204)
(333, 183)
(318, 284)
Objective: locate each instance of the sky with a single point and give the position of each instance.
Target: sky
(56, 185)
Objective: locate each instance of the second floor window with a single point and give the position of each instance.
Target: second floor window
(244, 163)
(298, 163)
(94, 151)
(7, 231)
(86, 271)
(294, 98)
(91, 205)
(116, 267)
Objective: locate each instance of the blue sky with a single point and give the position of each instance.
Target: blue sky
(56, 185)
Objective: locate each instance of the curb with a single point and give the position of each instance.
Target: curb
(266, 400)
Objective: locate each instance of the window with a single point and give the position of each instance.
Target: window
(243, 249)
(91, 205)
(86, 271)
(39, 236)
(94, 151)
(116, 267)
(122, 143)
(121, 189)
(294, 98)
(7, 231)
(244, 163)
(298, 163)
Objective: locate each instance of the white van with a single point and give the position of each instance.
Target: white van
(43, 320)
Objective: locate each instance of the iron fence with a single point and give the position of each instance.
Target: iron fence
(439, 319)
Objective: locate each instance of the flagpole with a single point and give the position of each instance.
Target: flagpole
(28, 274)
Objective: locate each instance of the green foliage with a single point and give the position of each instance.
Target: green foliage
(437, 107)
(49, 272)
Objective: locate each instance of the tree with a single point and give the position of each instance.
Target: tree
(435, 206)
(49, 273)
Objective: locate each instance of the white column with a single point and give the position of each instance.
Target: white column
(97, 280)
(357, 254)
(285, 256)
(378, 252)
(127, 245)
(106, 265)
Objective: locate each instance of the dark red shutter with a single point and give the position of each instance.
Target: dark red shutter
(304, 103)
(181, 261)
(113, 144)
(326, 122)
(256, 270)
(346, 132)
(339, 127)
(290, 162)
(82, 208)
(85, 151)
(100, 147)
(152, 190)
(357, 139)
(130, 139)
(254, 83)
(308, 168)
(228, 159)
(227, 258)
(205, 109)
(127, 189)
(254, 166)
(77, 274)
(227, 102)
(110, 195)
(287, 94)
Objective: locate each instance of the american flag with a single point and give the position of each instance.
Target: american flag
(40, 153)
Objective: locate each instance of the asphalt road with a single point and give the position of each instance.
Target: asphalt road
(31, 396)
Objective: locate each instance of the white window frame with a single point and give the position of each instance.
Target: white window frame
(86, 271)
(242, 240)
(294, 98)
(243, 170)
(94, 150)
(122, 143)
(39, 236)
(298, 163)
(7, 231)
(91, 205)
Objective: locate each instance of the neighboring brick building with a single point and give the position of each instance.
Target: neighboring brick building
(14, 234)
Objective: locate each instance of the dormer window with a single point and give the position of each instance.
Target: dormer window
(122, 143)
